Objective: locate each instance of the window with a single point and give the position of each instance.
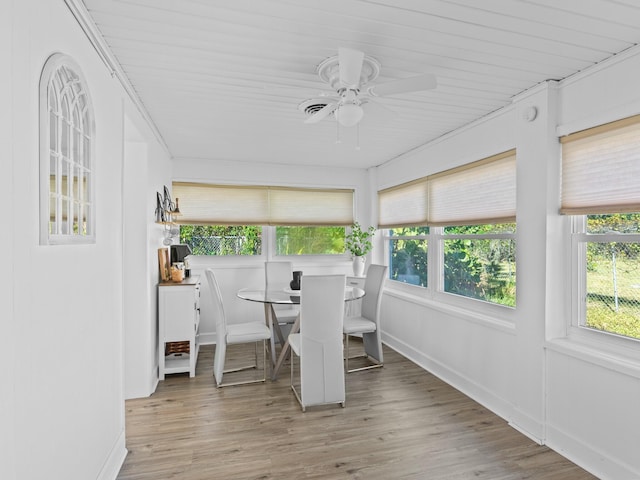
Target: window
(479, 262)
(298, 221)
(222, 240)
(408, 255)
(309, 240)
(599, 188)
(466, 215)
(609, 254)
(66, 157)
(247, 240)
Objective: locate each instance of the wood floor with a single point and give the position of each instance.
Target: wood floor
(400, 422)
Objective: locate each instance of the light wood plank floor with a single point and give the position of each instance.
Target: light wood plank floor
(400, 422)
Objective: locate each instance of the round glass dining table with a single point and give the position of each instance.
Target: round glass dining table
(284, 297)
(290, 297)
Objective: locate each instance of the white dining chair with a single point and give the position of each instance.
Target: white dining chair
(319, 342)
(229, 334)
(368, 322)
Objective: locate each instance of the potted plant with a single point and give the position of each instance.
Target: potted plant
(358, 242)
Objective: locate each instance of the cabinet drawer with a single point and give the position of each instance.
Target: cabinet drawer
(355, 282)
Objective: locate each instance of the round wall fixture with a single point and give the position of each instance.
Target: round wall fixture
(529, 114)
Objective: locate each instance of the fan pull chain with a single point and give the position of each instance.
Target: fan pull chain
(338, 132)
(358, 136)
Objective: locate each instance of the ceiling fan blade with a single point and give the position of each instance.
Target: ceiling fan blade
(322, 113)
(376, 114)
(404, 85)
(350, 62)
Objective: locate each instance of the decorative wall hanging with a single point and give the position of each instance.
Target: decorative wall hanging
(166, 213)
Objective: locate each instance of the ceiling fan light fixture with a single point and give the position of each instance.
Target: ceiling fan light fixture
(349, 114)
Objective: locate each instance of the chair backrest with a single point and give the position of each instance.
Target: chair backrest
(376, 275)
(221, 325)
(278, 275)
(321, 348)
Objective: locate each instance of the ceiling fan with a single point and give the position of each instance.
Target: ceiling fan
(347, 74)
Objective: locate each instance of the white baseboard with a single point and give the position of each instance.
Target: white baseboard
(207, 338)
(115, 460)
(592, 460)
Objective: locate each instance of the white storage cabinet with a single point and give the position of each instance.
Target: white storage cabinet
(178, 323)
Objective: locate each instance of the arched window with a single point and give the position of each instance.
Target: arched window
(66, 155)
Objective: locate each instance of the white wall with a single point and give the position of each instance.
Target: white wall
(593, 388)
(147, 169)
(62, 390)
(579, 398)
(7, 324)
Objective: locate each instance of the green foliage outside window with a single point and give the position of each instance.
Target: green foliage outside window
(408, 255)
(310, 240)
(481, 268)
(222, 240)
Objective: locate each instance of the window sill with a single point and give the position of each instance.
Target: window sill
(417, 296)
(611, 354)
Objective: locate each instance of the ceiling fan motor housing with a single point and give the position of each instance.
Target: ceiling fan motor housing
(329, 72)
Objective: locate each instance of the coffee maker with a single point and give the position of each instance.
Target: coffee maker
(177, 254)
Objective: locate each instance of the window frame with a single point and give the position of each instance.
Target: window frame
(455, 298)
(273, 229)
(576, 325)
(607, 141)
(88, 165)
(404, 286)
(433, 210)
(268, 252)
(434, 292)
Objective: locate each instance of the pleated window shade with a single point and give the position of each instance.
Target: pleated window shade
(601, 169)
(477, 193)
(404, 206)
(208, 204)
(294, 206)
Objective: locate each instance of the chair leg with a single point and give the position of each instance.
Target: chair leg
(269, 315)
(249, 367)
(346, 360)
(295, 392)
(374, 363)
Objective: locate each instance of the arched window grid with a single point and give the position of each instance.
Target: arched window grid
(66, 165)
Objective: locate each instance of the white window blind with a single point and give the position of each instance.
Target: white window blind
(480, 192)
(405, 205)
(204, 204)
(294, 206)
(208, 204)
(601, 169)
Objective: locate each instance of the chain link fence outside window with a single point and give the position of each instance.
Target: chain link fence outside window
(613, 288)
(612, 294)
(216, 245)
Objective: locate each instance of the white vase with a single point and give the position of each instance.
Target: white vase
(358, 266)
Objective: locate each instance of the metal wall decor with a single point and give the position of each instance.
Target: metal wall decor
(166, 213)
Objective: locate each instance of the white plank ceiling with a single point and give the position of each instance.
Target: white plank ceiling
(222, 79)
